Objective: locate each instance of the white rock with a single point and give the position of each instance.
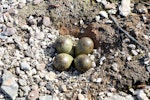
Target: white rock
(50, 76)
(134, 52)
(25, 66)
(104, 14)
(81, 97)
(129, 58)
(148, 68)
(141, 95)
(97, 18)
(125, 8)
(46, 21)
(98, 0)
(115, 67)
(98, 80)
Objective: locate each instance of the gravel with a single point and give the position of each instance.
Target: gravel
(27, 51)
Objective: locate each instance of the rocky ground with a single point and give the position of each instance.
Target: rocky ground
(121, 58)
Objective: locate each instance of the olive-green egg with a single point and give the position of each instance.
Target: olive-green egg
(82, 63)
(84, 46)
(62, 61)
(63, 45)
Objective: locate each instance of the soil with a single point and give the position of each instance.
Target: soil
(66, 15)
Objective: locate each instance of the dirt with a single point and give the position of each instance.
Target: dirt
(66, 15)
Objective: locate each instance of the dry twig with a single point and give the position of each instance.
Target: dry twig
(128, 35)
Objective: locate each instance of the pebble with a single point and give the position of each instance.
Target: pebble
(25, 66)
(9, 85)
(33, 95)
(97, 18)
(46, 21)
(22, 82)
(98, 80)
(81, 97)
(141, 95)
(129, 58)
(115, 67)
(50, 76)
(134, 52)
(9, 32)
(63, 88)
(132, 46)
(141, 9)
(36, 2)
(47, 97)
(103, 14)
(148, 68)
(125, 8)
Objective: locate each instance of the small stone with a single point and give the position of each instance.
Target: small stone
(40, 66)
(124, 8)
(63, 88)
(22, 82)
(110, 6)
(25, 66)
(47, 97)
(97, 18)
(10, 31)
(98, 0)
(112, 11)
(148, 69)
(104, 14)
(46, 21)
(141, 95)
(129, 58)
(141, 9)
(134, 52)
(33, 95)
(36, 2)
(115, 67)
(81, 97)
(81, 22)
(98, 80)
(50, 76)
(132, 46)
(39, 35)
(25, 89)
(9, 85)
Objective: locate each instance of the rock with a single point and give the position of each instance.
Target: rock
(141, 9)
(81, 97)
(46, 21)
(141, 95)
(97, 18)
(25, 66)
(98, 0)
(110, 6)
(134, 52)
(115, 67)
(103, 14)
(124, 8)
(33, 95)
(47, 97)
(39, 35)
(132, 46)
(9, 32)
(129, 58)
(148, 68)
(40, 66)
(50, 76)
(63, 88)
(98, 80)
(22, 82)
(36, 2)
(9, 85)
